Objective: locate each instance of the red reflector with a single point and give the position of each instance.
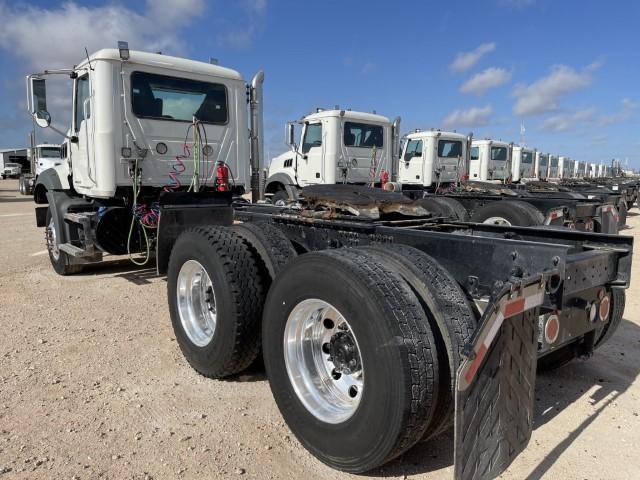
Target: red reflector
(605, 306)
(552, 329)
(514, 307)
(476, 363)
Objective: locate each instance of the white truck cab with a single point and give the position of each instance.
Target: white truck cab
(541, 165)
(554, 170)
(142, 124)
(565, 167)
(601, 170)
(522, 163)
(142, 107)
(432, 157)
(593, 170)
(46, 156)
(490, 160)
(336, 146)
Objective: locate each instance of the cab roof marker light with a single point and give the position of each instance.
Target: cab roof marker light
(123, 48)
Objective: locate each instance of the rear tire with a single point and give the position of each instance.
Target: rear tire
(271, 245)
(398, 361)
(444, 207)
(222, 339)
(450, 315)
(449, 207)
(509, 212)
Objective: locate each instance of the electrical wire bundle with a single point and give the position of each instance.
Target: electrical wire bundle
(147, 215)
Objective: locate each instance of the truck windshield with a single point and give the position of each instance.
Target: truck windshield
(362, 135)
(543, 159)
(178, 99)
(499, 153)
(527, 157)
(554, 161)
(449, 148)
(49, 152)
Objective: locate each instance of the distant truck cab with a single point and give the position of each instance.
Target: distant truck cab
(489, 160)
(336, 146)
(522, 163)
(430, 158)
(542, 165)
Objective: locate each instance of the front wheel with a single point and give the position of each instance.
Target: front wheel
(350, 358)
(60, 260)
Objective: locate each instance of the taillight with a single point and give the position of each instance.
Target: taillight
(222, 177)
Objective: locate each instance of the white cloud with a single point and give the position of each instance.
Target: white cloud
(544, 94)
(56, 37)
(473, 117)
(625, 113)
(243, 37)
(490, 78)
(563, 122)
(465, 60)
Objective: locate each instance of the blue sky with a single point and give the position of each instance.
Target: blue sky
(568, 70)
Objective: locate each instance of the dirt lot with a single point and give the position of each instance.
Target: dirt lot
(92, 385)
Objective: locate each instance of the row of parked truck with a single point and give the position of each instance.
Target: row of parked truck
(383, 315)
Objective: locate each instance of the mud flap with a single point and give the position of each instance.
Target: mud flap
(496, 385)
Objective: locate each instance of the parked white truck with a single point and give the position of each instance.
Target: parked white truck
(43, 157)
(522, 163)
(142, 124)
(336, 146)
(490, 161)
(541, 165)
(367, 349)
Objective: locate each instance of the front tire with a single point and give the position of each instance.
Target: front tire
(60, 261)
(349, 316)
(216, 294)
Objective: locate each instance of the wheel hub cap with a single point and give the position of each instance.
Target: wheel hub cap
(323, 361)
(196, 303)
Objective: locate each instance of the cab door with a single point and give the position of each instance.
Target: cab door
(411, 163)
(82, 149)
(310, 161)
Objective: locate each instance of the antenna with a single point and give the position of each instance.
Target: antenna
(522, 130)
(88, 61)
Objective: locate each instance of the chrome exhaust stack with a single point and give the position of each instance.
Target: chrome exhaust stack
(395, 148)
(256, 135)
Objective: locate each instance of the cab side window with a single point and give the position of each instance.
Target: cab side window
(312, 137)
(414, 149)
(475, 153)
(82, 93)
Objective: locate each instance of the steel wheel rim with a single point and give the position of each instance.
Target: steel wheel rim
(330, 388)
(196, 303)
(498, 221)
(52, 240)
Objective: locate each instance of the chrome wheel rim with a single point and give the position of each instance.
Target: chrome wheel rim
(498, 221)
(196, 303)
(323, 361)
(52, 240)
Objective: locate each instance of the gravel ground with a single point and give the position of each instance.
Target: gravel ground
(93, 385)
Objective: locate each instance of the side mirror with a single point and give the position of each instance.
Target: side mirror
(42, 118)
(38, 101)
(290, 138)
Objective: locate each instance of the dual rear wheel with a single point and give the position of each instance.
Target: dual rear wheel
(360, 345)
